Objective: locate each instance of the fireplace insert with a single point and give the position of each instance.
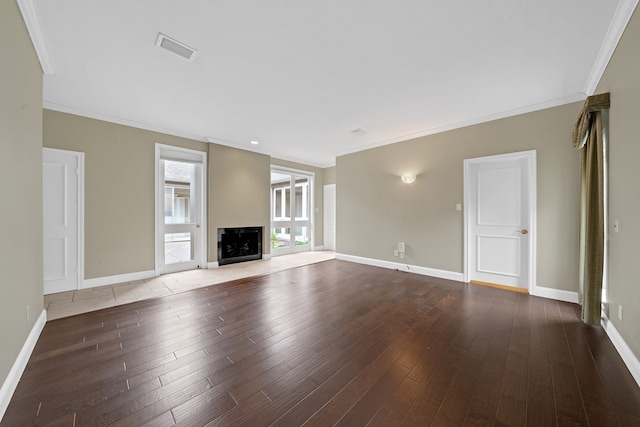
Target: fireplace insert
(239, 244)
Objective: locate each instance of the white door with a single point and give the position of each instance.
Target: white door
(291, 207)
(62, 173)
(180, 209)
(330, 217)
(500, 219)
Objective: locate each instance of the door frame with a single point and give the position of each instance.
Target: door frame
(170, 152)
(80, 197)
(311, 176)
(325, 214)
(469, 188)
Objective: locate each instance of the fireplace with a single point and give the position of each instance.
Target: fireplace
(239, 244)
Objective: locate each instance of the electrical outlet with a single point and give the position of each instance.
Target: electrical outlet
(620, 312)
(395, 252)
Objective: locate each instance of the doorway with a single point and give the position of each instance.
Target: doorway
(180, 209)
(291, 207)
(63, 218)
(500, 221)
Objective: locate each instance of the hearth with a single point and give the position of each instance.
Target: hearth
(239, 244)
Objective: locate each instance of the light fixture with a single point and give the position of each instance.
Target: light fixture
(175, 46)
(255, 142)
(408, 178)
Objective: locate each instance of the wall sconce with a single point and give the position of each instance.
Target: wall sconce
(408, 178)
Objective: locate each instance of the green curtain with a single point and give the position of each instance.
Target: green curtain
(588, 137)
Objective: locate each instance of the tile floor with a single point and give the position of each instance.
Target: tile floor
(70, 303)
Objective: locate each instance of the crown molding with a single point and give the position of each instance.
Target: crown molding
(117, 120)
(484, 119)
(32, 20)
(614, 34)
(259, 150)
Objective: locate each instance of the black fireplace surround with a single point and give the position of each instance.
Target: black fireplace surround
(239, 244)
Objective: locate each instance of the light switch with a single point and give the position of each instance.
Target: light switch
(458, 206)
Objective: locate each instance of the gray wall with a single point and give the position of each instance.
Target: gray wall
(622, 79)
(376, 210)
(20, 185)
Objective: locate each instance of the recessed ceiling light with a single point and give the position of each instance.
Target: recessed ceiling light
(255, 142)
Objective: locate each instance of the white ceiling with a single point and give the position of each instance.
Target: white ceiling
(300, 76)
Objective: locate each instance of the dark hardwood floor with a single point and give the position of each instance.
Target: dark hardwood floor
(333, 343)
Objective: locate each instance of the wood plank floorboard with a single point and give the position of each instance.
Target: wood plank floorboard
(333, 343)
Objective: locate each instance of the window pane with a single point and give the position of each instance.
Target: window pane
(178, 247)
(178, 179)
(280, 238)
(302, 199)
(302, 236)
(287, 203)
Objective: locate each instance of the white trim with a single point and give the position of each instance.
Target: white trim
(118, 278)
(31, 17)
(458, 125)
(318, 248)
(618, 24)
(213, 264)
(556, 294)
(531, 157)
(425, 271)
(625, 352)
(257, 149)
(11, 382)
(266, 257)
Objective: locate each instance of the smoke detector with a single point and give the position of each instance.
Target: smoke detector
(175, 46)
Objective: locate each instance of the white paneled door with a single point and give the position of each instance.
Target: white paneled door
(62, 201)
(330, 217)
(500, 219)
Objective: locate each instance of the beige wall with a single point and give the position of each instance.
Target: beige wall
(622, 79)
(318, 195)
(119, 189)
(330, 175)
(238, 193)
(376, 210)
(20, 185)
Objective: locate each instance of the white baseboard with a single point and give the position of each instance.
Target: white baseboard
(118, 278)
(557, 294)
(623, 349)
(318, 248)
(266, 257)
(425, 271)
(10, 384)
(213, 264)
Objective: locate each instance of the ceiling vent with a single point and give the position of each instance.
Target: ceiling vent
(175, 46)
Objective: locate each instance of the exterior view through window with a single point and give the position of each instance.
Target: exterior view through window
(290, 212)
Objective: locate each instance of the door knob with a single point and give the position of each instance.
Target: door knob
(524, 231)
